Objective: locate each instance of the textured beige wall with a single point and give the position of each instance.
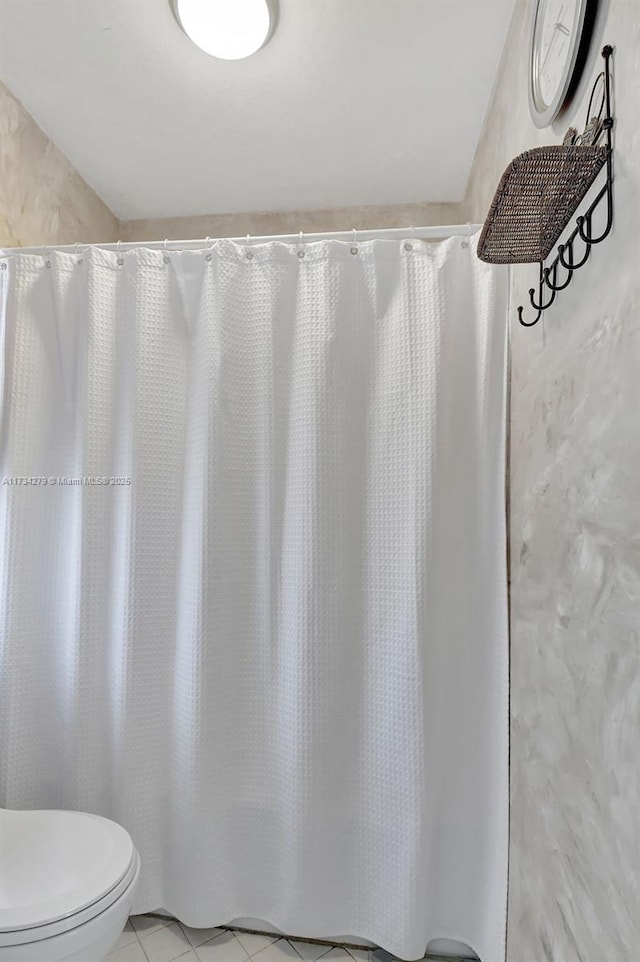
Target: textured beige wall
(575, 544)
(43, 200)
(266, 223)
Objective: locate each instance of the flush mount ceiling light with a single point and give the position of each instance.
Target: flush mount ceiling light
(227, 29)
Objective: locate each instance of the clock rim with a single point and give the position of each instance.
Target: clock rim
(542, 118)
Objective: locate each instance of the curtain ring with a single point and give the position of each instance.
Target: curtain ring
(465, 241)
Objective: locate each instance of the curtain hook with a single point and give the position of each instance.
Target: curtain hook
(120, 258)
(354, 249)
(408, 246)
(300, 251)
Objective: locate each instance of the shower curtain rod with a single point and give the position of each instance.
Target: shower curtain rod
(419, 233)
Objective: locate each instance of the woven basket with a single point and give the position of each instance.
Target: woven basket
(536, 197)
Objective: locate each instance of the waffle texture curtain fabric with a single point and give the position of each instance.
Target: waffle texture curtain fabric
(252, 577)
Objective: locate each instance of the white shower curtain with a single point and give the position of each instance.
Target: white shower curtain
(252, 577)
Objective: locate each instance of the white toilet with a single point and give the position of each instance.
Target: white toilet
(67, 881)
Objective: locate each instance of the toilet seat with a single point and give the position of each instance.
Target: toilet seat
(59, 870)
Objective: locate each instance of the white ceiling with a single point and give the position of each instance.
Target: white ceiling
(351, 102)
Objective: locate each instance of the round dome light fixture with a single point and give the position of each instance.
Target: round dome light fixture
(227, 29)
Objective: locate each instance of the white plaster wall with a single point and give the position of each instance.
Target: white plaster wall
(43, 199)
(574, 544)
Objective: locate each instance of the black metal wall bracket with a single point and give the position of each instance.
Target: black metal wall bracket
(550, 278)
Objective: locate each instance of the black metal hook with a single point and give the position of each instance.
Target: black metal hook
(528, 323)
(547, 270)
(573, 265)
(607, 191)
(541, 306)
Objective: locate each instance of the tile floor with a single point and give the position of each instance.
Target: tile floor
(148, 938)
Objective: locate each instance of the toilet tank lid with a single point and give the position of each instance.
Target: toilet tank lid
(54, 864)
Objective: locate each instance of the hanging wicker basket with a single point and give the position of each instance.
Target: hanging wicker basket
(536, 197)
